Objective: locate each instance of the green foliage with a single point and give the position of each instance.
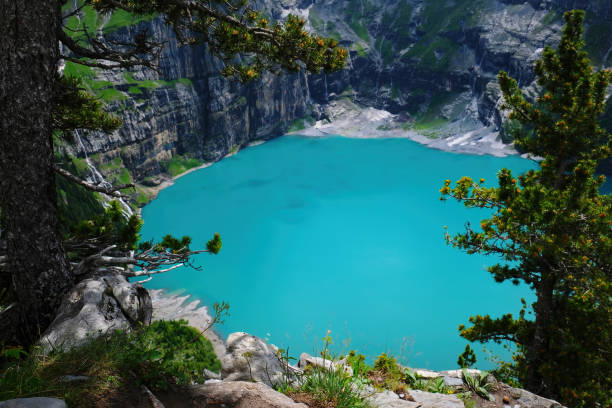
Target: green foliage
(74, 108)
(214, 245)
(479, 384)
(333, 387)
(121, 18)
(356, 13)
(180, 164)
(170, 351)
(358, 364)
(551, 229)
(111, 227)
(296, 125)
(467, 358)
(271, 44)
(166, 352)
(387, 374)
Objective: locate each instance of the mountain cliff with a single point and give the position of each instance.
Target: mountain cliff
(434, 62)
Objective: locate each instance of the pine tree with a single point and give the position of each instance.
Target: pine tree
(35, 102)
(551, 228)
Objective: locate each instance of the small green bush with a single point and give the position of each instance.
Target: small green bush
(170, 351)
(164, 352)
(333, 388)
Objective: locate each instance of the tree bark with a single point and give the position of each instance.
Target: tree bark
(544, 309)
(38, 265)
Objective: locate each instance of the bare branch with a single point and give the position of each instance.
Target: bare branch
(149, 273)
(134, 56)
(108, 190)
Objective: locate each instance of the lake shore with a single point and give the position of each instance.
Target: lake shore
(347, 119)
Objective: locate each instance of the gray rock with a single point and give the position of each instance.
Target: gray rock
(240, 394)
(73, 378)
(250, 358)
(526, 399)
(308, 360)
(211, 375)
(97, 306)
(432, 400)
(452, 381)
(389, 399)
(459, 373)
(37, 402)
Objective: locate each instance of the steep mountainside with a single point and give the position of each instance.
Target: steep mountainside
(438, 60)
(434, 61)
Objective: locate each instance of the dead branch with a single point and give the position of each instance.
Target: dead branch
(108, 190)
(140, 53)
(133, 264)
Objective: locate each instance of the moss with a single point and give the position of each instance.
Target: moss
(434, 54)
(142, 196)
(134, 90)
(356, 13)
(111, 95)
(297, 125)
(361, 52)
(78, 70)
(121, 18)
(180, 164)
(185, 82)
(124, 176)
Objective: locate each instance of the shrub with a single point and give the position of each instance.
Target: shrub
(162, 353)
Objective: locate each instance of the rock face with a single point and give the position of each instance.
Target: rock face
(432, 60)
(440, 59)
(96, 306)
(240, 394)
(37, 402)
(249, 358)
(187, 108)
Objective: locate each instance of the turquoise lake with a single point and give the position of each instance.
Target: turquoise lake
(337, 234)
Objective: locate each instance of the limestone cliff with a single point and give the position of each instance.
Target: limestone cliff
(433, 61)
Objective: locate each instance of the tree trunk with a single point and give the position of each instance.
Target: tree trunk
(37, 262)
(544, 309)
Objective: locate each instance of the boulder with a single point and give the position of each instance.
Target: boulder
(459, 373)
(249, 358)
(389, 399)
(526, 399)
(37, 402)
(308, 360)
(434, 400)
(239, 394)
(452, 381)
(97, 306)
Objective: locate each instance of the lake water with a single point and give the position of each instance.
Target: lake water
(337, 234)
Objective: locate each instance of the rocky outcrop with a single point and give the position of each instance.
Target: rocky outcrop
(36, 402)
(97, 306)
(420, 399)
(240, 394)
(249, 358)
(187, 108)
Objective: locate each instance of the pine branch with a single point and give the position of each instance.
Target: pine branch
(110, 190)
